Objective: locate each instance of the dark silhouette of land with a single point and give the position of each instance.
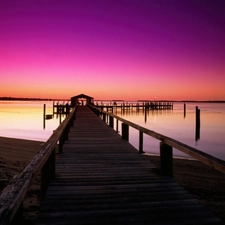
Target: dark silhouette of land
(30, 99)
(24, 99)
(58, 99)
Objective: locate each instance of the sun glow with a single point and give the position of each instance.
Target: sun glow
(137, 53)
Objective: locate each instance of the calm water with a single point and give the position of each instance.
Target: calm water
(174, 124)
(24, 119)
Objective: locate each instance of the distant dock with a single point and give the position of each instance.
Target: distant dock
(61, 108)
(90, 174)
(138, 105)
(159, 105)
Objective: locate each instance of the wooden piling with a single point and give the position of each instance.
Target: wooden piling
(184, 110)
(197, 125)
(60, 118)
(47, 173)
(197, 116)
(104, 117)
(146, 113)
(125, 131)
(166, 159)
(44, 109)
(141, 142)
(111, 121)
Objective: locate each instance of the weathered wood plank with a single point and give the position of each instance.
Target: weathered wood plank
(11, 197)
(205, 158)
(102, 179)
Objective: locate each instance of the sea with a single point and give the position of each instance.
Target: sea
(25, 120)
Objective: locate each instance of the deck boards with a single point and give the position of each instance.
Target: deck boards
(102, 179)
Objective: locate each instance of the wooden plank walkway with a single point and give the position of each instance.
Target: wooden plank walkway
(102, 179)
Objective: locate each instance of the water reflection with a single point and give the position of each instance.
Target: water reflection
(180, 124)
(24, 119)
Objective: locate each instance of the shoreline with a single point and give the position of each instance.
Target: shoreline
(14, 155)
(117, 100)
(200, 180)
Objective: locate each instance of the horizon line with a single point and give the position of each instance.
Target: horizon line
(113, 100)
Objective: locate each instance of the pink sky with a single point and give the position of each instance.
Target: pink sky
(113, 49)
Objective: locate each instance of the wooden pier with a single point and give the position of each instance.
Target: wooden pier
(102, 179)
(61, 108)
(137, 106)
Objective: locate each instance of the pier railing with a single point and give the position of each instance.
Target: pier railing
(12, 196)
(138, 105)
(166, 143)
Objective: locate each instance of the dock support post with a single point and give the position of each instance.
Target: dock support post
(61, 142)
(104, 117)
(60, 118)
(117, 125)
(71, 121)
(74, 115)
(197, 125)
(66, 132)
(145, 113)
(47, 173)
(166, 159)
(18, 218)
(141, 142)
(111, 121)
(44, 116)
(125, 131)
(184, 110)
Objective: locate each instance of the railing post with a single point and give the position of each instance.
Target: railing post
(71, 122)
(104, 117)
(141, 142)
(125, 131)
(61, 142)
(74, 114)
(47, 173)
(18, 217)
(166, 159)
(117, 125)
(111, 121)
(66, 132)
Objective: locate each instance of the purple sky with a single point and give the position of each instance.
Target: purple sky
(168, 49)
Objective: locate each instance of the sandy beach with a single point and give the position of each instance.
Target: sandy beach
(14, 155)
(203, 182)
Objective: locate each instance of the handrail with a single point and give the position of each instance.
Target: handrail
(13, 194)
(205, 158)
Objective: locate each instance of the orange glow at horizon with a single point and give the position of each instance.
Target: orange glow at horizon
(109, 93)
(112, 50)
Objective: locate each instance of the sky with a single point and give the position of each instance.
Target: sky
(113, 49)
